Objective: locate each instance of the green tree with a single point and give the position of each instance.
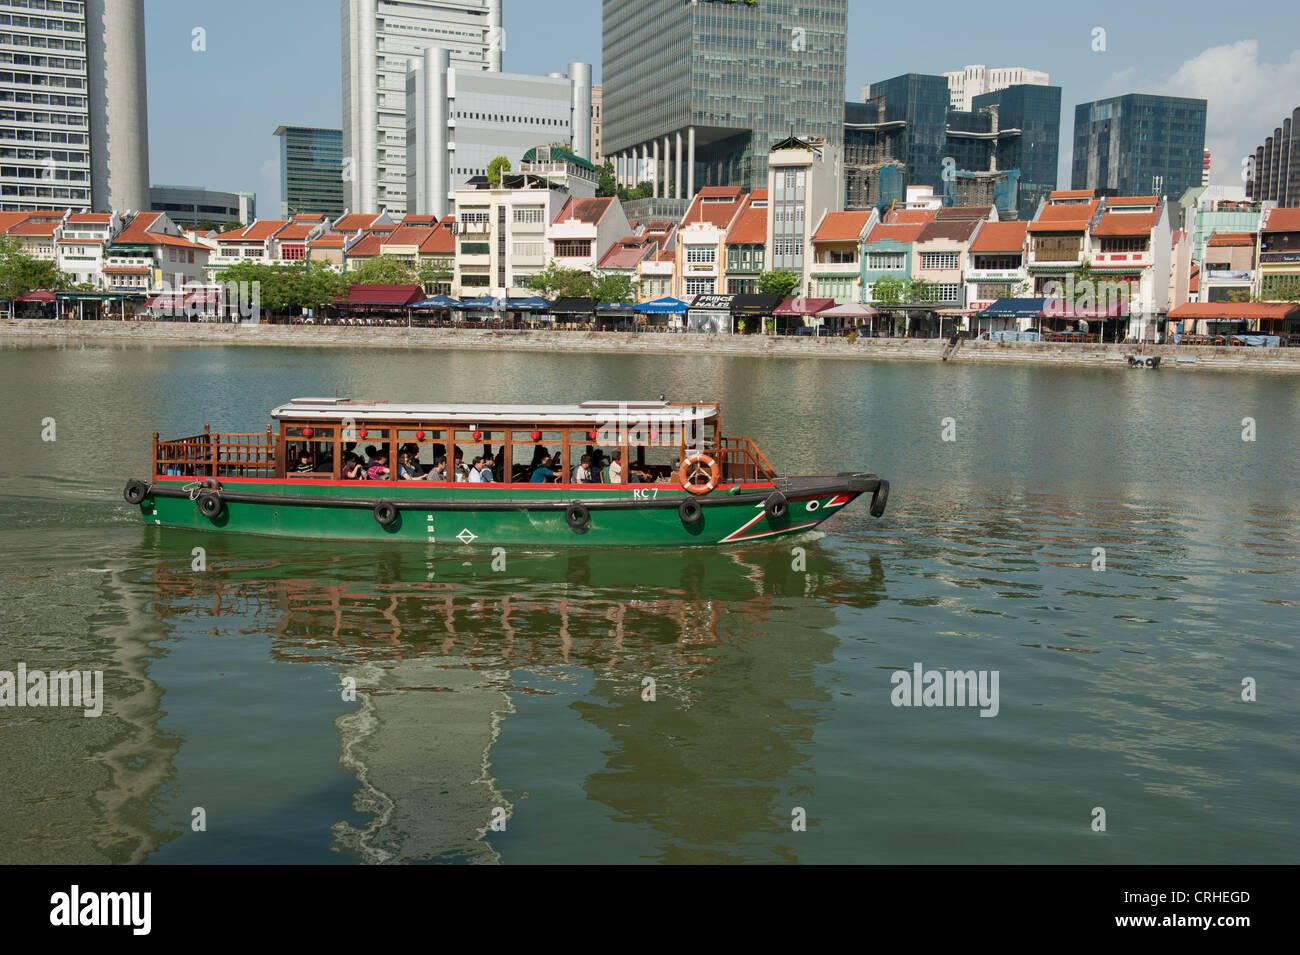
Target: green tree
(381, 270)
(556, 281)
(495, 169)
(614, 287)
(20, 273)
(780, 282)
(435, 275)
(1281, 289)
(888, 291)
(606, 184)
(921, 292)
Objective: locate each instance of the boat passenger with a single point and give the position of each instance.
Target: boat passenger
(458, 467)
(378, 469)
(353, 467)
(485, 472)
(582, 471)
(304, 462)
(597, 465)
(475, 470)
(543, 473)
(407, 470)
(439, 470)
(616, 468)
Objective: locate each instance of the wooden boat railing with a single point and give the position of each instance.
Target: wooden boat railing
(741, 460)
(216, 455)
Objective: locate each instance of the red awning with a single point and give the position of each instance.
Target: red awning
(1056, 308)
(803, 306)
(394, 296)
(40, 295)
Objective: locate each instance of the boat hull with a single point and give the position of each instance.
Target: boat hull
(503, 515)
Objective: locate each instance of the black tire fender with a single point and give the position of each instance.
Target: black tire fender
(776, 506)
(578, 517)
(386, 513)
(135, 491)
(210, 503)
(690, 511)
(210, 484)
(879, 498)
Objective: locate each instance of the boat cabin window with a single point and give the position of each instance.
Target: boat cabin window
(309, 451)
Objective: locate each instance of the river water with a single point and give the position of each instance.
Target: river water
(504, 715)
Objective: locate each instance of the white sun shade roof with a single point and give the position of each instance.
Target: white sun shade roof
(589, 412)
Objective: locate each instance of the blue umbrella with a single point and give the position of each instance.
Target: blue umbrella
(438, 301)
(534, 303)
(660, 305)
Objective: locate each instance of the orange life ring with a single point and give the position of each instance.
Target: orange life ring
(696, 465)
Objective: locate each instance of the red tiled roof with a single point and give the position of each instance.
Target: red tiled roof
(909, 216)
(295, 230)
(626, 254)
(666, 255)
(355, 221)
(758, 195)
(313, 217)
(137, 233)
(34, 228)
(396, 295)
(1222, 239)
(1194, 281)
(1133, 201)
(718, 214)
(10, 219)
(956, 230)
(93, 218)
(964, 212)
(1000, 237)
(841, 227)
(408, 235)
(1071, 194)
(1064, 218)
(440, 241)
(124, 270)
(368, 244)
(750, 228)
(902, 232)
(584, 210)
(413, 219)
(1126, 223)
(1238, 310)
(1286, 219)
(80, 242)
(733, 192)
(331, 240)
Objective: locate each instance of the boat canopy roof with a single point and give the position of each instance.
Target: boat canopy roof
(588, 412)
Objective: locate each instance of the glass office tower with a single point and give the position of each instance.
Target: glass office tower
(311, 171)
(1139, 145)
(696, 93)
(1036, 112)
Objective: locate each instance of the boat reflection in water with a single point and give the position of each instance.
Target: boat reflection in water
(443, 648)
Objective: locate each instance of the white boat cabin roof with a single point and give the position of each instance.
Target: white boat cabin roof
(588, 412)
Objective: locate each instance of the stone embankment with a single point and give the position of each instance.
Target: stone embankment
(35, 332)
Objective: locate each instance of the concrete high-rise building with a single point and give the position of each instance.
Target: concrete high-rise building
(73, 112)
(458, 120)
(597, 157)
(697, 93)
(311, 171)
(379, 38)
(1139, 144)
(1273, 174)
(965, 84)
(187, 206)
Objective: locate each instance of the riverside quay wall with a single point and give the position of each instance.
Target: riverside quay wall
(37, 331)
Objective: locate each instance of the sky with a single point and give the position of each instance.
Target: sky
(223, 74)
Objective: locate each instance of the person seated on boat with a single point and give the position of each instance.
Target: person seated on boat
(543, 473)
(485, 469)
(439, 470)
(378, 469)
(582, 471)
(616, 468)
(458, 469)
(371, 451)
(407, 469)
(304, 465)
(354, 468)
(476, 470)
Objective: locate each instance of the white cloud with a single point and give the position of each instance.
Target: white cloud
(1247, 98)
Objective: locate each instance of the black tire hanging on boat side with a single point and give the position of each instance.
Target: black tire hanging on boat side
(135, 492)
(776, 506)
(386, 513)
(690, 511)
(210, 503)
(210, 483)
(879, 499)
(578, 517)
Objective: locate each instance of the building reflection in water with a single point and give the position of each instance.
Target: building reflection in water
(440, 646)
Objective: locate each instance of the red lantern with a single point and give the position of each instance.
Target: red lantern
(591, 435)
(363, 432)
(419, 436)
(478, 435)
(537, 436)
(306, 432)
(654, 435)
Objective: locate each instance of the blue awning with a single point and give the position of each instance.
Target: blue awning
(534, 303)
(667, 304)
(485, 303)
(1015, 308)
(438, 301)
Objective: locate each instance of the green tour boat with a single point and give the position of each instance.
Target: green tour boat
(600, 472)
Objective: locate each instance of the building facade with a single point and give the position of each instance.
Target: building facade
(804, 182)
(189, 205)
(379, 37)
(696, 93)
(311, 171)
(965, 84)
(459, 119)
(1274, 173)
(1139, 144)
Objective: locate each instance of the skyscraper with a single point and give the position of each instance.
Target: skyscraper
(380, 37)
(965, 84)
(1139, 144)
(73, 112)
(311, 174)
(1274, 172)
(1035, 111)
(697, 93)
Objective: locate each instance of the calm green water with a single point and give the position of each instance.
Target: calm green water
(519, 693)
